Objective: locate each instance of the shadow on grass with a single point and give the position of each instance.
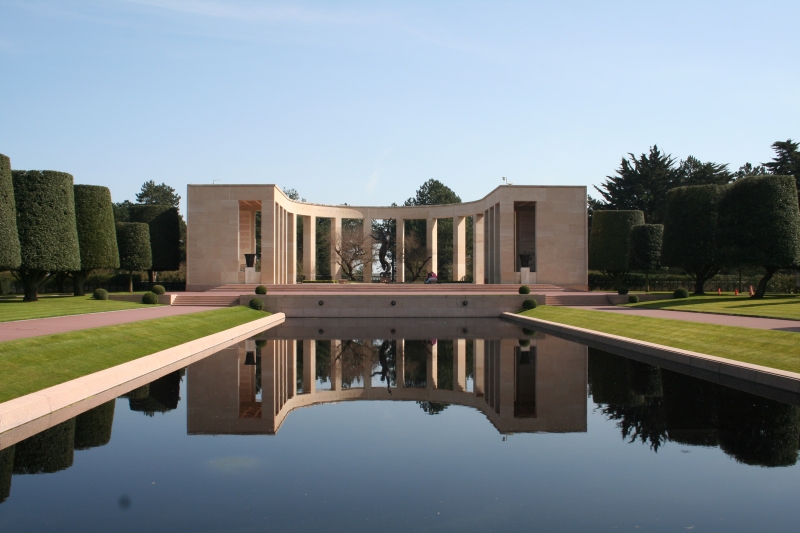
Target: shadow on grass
(743, 301)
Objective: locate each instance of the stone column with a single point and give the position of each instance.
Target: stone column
(497, 241)
(268, 250)
(292, 242)
(280, 242)
(478, 354)
(400, 260)
(490, 245)
(309, 247)
(336, 236)
(368, 242)
(309, 366)
(478, 273)
(507, 243)
(431, 245)
(432, 377)
(400, 363)
(459, 248)
(460, 365)
(336, 365)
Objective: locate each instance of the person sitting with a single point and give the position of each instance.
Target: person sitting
(431, 278)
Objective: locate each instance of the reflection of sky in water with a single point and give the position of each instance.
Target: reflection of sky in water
(364, 465)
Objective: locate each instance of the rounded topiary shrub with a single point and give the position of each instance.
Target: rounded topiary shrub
(528, 304)
(261, 289)
(149, 298)
(100, 294)
(158, 289)
(257, 304)
(164, 227)
(681, 293)
(528, 332)
(524, 342)
(633, 299)
(622, 290)
(524, 290)
(261, 343)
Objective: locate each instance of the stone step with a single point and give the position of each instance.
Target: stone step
(378, 287)
(578, 300)
(207, 301)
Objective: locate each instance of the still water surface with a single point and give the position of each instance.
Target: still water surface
(490, 428)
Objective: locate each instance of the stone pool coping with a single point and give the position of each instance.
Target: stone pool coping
(27, 415)
(780, 385)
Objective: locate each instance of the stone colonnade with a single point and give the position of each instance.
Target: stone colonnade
(546, 223)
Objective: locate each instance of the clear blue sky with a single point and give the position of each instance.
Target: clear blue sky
(361, 102)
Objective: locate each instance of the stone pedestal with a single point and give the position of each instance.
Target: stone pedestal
(526, 276)
(251, 276)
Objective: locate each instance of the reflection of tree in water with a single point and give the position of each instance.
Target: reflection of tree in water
(444, 366)
(6, 469)
(46, 452)
(93, 428)
(433, 408)
(160, 396)
(353, 357)
(416, 363)
(323, 361)
(751, 429)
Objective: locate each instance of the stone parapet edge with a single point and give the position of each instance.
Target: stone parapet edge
(43, 409)
(744, 376)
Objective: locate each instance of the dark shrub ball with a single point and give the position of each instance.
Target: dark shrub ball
(257, 304)
(681, 293)
(100, 294)
(261, 343)
(622, 290)
(158, 289)
(149, 298)
(524, 290)
(528, 332)
(261, 289)
(633, 299)
(529, 304)
(524, 342)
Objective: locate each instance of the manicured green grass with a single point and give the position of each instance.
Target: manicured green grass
(782, 306)
(28, 365)
(49, 306)
(776, 349)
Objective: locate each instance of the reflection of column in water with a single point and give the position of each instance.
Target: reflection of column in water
(336, 364)
(400, 364)
(460, 365)
(433, 367)
(268, 395)
(309, 366)
(366, 365)
(505, 386)
(6, 468)
(292, 362)
(479, 356)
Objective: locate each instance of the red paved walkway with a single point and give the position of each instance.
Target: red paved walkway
(706, 318)
(61, 324)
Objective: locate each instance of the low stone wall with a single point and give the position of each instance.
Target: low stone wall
(779, 385)
(393, 306)
(164, 299)
(619, 299)
(27, 415)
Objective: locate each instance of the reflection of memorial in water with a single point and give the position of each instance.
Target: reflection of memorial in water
(538, 383)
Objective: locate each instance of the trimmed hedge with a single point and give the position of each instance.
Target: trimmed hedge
(633, 299)
(93, 428)
(100, 294)
(622, 291)
(261, 289)
(50, 451)
(165, 234)
(609, 245)
(10, 257)
(690, 231)
(133, 239)
(257, 304)
(162, 395)
(149, 298)
(680, 293)
(97, 234)
(529, 304)
(760, 224)
(524, 290)
(158, 289)
(645, 247)
(48, 235)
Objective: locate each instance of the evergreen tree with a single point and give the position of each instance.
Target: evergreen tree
(786, 161)
(692, 171)
(434, 192)
(152, 194)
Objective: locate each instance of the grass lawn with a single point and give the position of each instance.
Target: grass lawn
(776, 349)
(779, 306)
(49, 306)
(29, 365)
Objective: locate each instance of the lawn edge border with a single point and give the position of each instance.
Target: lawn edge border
(645, 306)
(698, 364)
(43, 409)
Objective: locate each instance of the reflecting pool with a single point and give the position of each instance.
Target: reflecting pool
(408, 425)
